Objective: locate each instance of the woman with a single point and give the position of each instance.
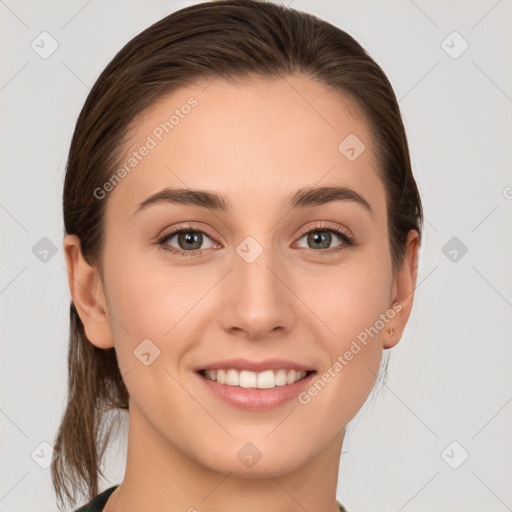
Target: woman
(242, 231)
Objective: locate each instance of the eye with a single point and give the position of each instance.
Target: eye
(320, 238)
(189, 241)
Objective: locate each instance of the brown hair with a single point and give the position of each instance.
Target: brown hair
(229, 39)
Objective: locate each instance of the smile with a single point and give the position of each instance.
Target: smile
(259, 380)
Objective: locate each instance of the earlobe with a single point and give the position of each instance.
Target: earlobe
(87, 293)
(404, 285)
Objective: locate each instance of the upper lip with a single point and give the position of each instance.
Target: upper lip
(255, 366)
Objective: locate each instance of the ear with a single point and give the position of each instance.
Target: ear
(87, 293)
(403, 290)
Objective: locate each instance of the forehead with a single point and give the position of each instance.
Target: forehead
(252, 142)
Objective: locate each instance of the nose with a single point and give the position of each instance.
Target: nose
(258, 301)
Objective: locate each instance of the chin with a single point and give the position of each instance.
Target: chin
(254, 460)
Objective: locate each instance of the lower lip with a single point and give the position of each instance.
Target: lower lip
(256, 399)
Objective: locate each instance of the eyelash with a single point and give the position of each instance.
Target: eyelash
(347, 240)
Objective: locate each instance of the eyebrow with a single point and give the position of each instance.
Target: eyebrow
(303, 198)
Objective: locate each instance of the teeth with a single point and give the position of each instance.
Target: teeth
(262, 380)
(281, 377)
(290, 378)
(232, 378)
(265, 380)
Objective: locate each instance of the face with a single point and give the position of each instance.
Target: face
(269, 276)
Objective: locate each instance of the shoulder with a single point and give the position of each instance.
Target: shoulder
(98, 502)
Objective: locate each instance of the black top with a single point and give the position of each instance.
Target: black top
(99, 501)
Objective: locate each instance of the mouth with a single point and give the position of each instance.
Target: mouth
(267, 379)
(255, 386)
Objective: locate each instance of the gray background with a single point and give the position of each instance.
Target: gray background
(450, 376)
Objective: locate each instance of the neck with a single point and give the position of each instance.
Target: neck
(160, 476)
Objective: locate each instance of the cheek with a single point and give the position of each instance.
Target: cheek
(139, 300)
(149, 306)
(350, 299)
(143, 303)
(350, 306)
(146, 290)
(159, 302)
(353, 349)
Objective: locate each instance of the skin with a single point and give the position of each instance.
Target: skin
(257, 144)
